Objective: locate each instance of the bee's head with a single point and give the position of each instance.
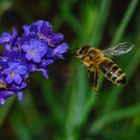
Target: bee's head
(82, 51)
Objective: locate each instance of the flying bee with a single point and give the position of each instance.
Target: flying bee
(96, 61)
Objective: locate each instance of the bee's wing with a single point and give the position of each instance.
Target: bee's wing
(118, 49)
(93, 75)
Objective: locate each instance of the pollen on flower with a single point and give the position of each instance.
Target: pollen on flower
(31, 52)
(12, 73)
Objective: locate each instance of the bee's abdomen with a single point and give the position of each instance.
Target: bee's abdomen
(113, 72)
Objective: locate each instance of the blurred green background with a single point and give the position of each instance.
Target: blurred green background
(64, 107)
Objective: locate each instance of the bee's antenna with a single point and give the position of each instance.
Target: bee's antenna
(73, 48)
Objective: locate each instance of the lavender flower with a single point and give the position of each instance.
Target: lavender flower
(15, 72)
(7, 38)
(37, 48)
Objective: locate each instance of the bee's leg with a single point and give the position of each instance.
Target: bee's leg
(95, 85)
(94, 79)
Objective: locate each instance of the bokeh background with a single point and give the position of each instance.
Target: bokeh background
(64, 107)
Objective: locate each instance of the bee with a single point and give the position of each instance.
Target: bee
(96, 61)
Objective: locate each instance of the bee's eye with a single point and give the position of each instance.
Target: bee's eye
(84, 50)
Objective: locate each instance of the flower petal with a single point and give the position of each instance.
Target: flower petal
(2, 101)
(37, 59)
(54, 39)
(9, 79)
(17, 79)
(25, 48)
(20, 96)
(61, 48)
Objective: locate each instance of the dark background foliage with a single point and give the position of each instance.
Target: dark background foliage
(64, 107)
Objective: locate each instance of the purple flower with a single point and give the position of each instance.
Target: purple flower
(2, 101)
(46, 62)
(7, 38)
(60, 50)
(16, 88)
(20, 95)
(54, 39)
(4, 95)
(32, 52)
(3, 63)
(15, 72)
(39, 29)
(44, 72)
(45, 29)
(35, 50)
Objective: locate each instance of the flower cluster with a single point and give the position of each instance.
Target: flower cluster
(33, 51)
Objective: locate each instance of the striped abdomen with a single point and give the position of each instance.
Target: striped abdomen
(113, 72)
